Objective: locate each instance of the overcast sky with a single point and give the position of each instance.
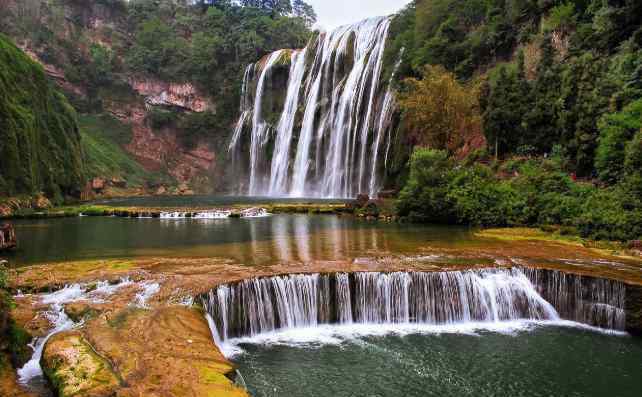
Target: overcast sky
(333, 13)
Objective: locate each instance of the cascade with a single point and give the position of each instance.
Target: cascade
(329, 138)
(258, 306)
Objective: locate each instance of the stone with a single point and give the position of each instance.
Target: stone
(75, 369)
(118, 182)
(40, 202)
(98, 184)
(161, 191)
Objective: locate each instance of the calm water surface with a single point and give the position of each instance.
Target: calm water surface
(276, 238)
(548, 361)
(205, 201)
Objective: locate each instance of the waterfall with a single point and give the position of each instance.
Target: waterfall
(258, 306)
(259, 126)
(284, 129)
(328, 139)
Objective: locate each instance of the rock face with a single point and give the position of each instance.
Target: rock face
(75, 369)
(634, 309)
(162, 93)
(7, 237)
(131, 352)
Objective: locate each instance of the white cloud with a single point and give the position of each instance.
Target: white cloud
(333, 13)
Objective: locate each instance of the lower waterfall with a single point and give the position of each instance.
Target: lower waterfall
(259, 306)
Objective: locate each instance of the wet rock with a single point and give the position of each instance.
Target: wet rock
(7, 237)
(169, 348)
(75, 369)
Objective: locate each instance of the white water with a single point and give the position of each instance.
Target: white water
(334, 89)
(260, 127)
(304, 309)
(60, 322)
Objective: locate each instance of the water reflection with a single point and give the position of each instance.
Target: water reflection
(274, 239)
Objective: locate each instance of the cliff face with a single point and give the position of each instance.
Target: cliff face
(76, 34)
(39, 139)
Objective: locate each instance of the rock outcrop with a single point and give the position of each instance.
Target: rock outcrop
(75, 369)
(162, 93)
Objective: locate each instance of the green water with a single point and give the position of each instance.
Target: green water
(254, 241)
(549, 361)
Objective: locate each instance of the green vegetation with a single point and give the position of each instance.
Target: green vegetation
(101, 136)
(96, 48)
(39, 139)
(560, 98)
(526, 192)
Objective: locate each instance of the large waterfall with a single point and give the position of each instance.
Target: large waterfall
(327, 133)
(258, 306)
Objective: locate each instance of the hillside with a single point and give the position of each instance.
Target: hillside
(555, 87)
(39, 139)
(165, 73)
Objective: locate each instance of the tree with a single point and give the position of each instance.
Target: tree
(438, 110)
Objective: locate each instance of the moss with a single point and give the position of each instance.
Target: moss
(75, 369)
(39, 138)
(19, 340)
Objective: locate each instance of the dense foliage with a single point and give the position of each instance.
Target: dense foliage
(438, 110)
(525, 192)
(558, 79)
(98, 47)
(39, 140)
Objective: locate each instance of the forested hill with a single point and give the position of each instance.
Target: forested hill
(155, 81)
(39, 140)
(554, 87)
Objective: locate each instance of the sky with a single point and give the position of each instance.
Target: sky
(334, 13)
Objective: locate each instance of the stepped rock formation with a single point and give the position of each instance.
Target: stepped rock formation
(328, 132)
(263, 305)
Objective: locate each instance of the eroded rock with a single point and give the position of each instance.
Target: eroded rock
(75, 369)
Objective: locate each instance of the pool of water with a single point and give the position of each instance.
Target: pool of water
(546, 361)
(205, 201)
(253, 241)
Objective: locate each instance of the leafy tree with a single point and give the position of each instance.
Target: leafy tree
(439, 110)
(617, 147)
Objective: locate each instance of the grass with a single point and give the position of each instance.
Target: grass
(101, 139)
(611, 248)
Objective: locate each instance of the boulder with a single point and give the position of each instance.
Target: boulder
(40, 202)
(161, 191)
(118, 182)
(75, 369)
(98, 184)
(7, 237)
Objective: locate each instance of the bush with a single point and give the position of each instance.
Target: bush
(440, 191)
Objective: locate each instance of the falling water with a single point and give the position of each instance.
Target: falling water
(262, 305)
(284, 129)
(329, 134)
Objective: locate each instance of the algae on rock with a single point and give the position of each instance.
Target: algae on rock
(75, 369)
